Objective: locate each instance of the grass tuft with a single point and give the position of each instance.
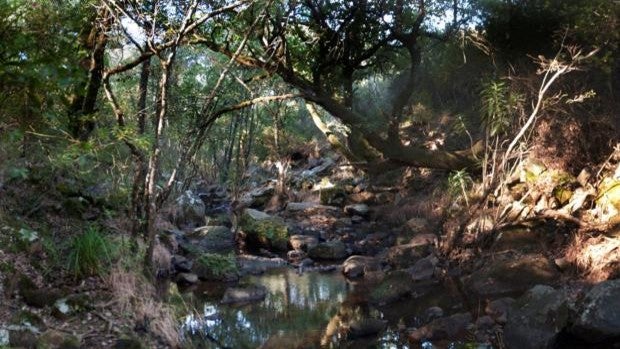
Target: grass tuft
(90, 254)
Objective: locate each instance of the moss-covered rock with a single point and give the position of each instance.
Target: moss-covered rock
(264, 230)
(213, 266)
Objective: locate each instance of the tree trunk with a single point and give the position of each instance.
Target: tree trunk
(93, 38)
(137, 195)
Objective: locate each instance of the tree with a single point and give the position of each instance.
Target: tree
(325, 49)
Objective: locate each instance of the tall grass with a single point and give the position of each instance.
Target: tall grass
(90, 254)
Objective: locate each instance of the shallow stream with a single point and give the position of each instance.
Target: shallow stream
(312, 310)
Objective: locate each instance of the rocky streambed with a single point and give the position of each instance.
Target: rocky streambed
(329, 273)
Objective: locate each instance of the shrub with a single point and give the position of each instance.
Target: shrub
(89, 254)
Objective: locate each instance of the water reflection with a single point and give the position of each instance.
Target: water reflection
(293, 314)
(312, 310)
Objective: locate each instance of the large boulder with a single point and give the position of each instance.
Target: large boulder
(536, 319)
(264, 230)
(598, 314)
(424, 269)
(216, 267)
(189, 210)
(329, 250)
(213, 239)
(512, 275)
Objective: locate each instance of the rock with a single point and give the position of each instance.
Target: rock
(394, 286)
(485, 323)
(357, 210)
(433, 313)
(61, 309)
(308, 206)
(52, 339)
(498, 309)
(189, 211)
(303, 242)
(181, 263)
(186, 278)
(329, 250)
(357, 219)
(418, 225)
(536, 319)
(254, 264)
(259, 197)
(404, 256)
(213, 239)
(221, 219)
(512, 276)
(318, 170)
(452, 328)
(251, 293)
(423, 269)
(216, 267)
(519, 238)
(332, 196)
(358, 266)
(366, 327)
(264, 230)
(598, 316)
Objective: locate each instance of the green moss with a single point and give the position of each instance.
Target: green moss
(269, 232)
(218, 265)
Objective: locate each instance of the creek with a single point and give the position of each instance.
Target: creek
(311, 310)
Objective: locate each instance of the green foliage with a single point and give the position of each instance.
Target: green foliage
(459, 182)
(218, 264)
(496, 110)
(90, 254)
(53, 252)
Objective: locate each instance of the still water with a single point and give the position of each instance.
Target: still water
(312, 310)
